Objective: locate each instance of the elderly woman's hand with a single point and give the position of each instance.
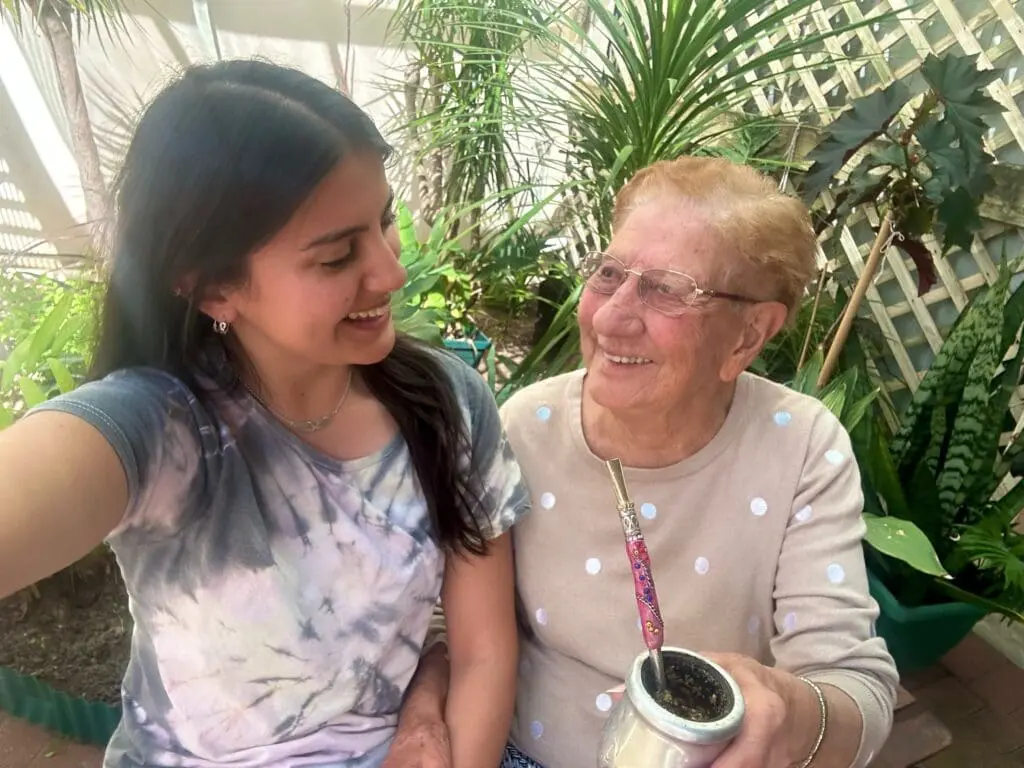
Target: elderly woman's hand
(420, 744)
(783, 716)
(421, 739)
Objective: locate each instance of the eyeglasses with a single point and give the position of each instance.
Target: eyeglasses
(663, 290)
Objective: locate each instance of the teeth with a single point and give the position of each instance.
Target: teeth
(628, 360)
(381, 310)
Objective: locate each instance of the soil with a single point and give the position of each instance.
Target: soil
(693, 692)
(74, 633)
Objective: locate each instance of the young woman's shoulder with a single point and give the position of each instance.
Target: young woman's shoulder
(153, 421)
(123, 401)
(469, 386)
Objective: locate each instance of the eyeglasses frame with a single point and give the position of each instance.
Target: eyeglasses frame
(698, 292)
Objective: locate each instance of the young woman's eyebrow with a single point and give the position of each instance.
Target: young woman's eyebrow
(340, 234)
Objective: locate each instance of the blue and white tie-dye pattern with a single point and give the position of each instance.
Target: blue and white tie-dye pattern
(281, 598)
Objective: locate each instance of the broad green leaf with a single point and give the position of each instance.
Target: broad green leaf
(6, 417)
(942, 156)
(806, 380)
(61, 375)
(1013, 314)
(888, 154)
(916, 220)
(904, 541)
(407, 234)
(925, 507)
(944, 381)
(420, 285)
(959, 85)
(31, 392)
(492, 371)
(879, 470)
(865, 120)
(14, 364)
(856, 412)
(974, 434)
(862, 186)
(834, 395)
(74, 325)
(46, 333)
(420, 325)
(1004, 386)
(958, 219)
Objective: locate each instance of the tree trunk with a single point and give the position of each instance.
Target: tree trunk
(57, 31)
(435, 160)
(413, 99)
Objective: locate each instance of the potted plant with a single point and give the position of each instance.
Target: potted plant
(424, 307)
(939, 563)
(943, 470)
(926, 174)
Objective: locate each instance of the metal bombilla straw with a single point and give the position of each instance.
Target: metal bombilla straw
(651, 625)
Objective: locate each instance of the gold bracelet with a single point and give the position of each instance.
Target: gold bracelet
(823, 725)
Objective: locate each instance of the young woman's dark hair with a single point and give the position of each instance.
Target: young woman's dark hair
(220, 162)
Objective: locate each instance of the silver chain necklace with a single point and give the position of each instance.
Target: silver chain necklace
(306, 425)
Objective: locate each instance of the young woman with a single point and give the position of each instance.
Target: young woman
(287, 484)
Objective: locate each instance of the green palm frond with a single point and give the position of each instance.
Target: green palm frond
(995, 549)
(108, 17)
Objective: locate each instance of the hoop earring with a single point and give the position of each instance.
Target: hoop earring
(221, 327)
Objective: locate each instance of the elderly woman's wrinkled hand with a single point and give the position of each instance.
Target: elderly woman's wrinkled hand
(420, 744)
(782, 716)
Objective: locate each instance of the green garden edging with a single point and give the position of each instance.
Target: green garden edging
(74, 718)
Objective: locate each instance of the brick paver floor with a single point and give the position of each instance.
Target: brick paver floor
(976, 692)
(25, 746)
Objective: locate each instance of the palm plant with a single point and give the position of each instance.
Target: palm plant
(60, 22)
(604, 90)
(467, 114)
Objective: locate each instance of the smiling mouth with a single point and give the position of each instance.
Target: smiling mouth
(628, 359)
(370, 314)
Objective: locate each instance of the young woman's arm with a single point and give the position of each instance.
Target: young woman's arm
(483, 649)
(62, 490)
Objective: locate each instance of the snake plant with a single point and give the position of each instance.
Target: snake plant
(950, 458)
(938, 478)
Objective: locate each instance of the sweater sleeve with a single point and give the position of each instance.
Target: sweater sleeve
(824, 614)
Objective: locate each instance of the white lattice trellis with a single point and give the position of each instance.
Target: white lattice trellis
(869, 58)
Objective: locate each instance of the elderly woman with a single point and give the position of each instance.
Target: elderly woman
(749, 493)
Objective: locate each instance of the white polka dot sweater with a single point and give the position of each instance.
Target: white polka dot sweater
(756, 549)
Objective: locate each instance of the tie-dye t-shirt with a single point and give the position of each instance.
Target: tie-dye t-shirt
(280, 597)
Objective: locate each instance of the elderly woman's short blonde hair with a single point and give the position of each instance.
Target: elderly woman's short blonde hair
(769, 231)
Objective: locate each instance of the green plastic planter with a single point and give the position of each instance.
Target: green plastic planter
(471, 351)
(919, 637)
(74, 718)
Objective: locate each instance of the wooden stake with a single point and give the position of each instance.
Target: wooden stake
(850, 313)
(810, 325)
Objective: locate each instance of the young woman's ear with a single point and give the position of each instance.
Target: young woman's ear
(215, 303)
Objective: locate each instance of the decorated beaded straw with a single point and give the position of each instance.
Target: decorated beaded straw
(651, 625)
